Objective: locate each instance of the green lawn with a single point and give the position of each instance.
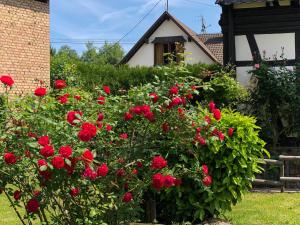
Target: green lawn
(255, 209)
(267, 209)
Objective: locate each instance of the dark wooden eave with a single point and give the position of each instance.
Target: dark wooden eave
(45, 1)
(230, 2)
(167, 16)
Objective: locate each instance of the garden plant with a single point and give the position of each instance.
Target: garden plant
(69, 156)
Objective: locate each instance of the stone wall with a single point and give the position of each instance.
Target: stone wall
(25, 42)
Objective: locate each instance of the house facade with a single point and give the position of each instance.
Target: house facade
(25, 42)
(169, 35)
(255, 30)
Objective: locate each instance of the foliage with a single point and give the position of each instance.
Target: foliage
(151, 138)
(275, 102)
(232, 163)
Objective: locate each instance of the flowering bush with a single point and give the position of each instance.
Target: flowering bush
(87, 160)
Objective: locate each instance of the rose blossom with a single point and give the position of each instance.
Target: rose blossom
(102, 170)
(158, 162)
(207, 181)
(212, 106)
(17, 195)
(73, 117)
(47, 151)
(217, 114)
(88, 132)
(127, 197)
(10, 158)
(65, 151)
(154, 97)
(32, 205)
(74, 191)
(88, 156)
(158, 181)
(40, 92)
(205, 169)
(7, 80)
(44, 140)
(100, 117)
(60, 84)
(230, 132)
(169, 181)
(124, 136)
(101, 100)
(128, 116)
(58, 162)
(106, 89)
(173, 90)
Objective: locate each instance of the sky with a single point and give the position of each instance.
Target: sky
(74, 22)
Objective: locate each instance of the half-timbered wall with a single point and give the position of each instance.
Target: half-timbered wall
(252, 34)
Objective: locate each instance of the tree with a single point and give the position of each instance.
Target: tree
(68, 52)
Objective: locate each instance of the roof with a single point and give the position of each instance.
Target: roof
(167, 16)
(214, 42)
(229, 2)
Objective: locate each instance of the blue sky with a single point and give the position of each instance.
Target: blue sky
(73, 22)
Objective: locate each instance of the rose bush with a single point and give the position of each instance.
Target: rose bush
(94, 158)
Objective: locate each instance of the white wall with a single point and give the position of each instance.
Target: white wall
(271, 44)
(145, 55)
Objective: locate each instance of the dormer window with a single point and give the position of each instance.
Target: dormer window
(167, 49)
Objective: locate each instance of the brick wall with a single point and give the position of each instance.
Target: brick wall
(25, 42)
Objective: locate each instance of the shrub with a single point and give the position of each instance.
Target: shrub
(71, 158)
(275, 102)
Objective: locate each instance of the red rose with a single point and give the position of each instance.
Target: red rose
(108, 128)
(145, 108)
(212, 106)
(169, 181)
(32, 205)
(7, 80)
(65, 151)
(173, 90)
(158, 162)
(230, 132)
(60, 84)
(47, 175)
(165, 127)
(36, 193)
(127, 197)
(100, 117)
(217, 114)
(128, 116)
(88, 132)
(121, 172)
(74, 191)
(101, 100)
(88, 156)
(205, 169)
(47, 151)
(63, 99)
(137, 110)
(154, 97)
(89, 173)
(181, 111)
(17, 195)
(124, 136)
(102, 170)
(176, 101)
(207, 180)
(77, 97)
(58, 162)
(149, 116)
(44, 140)
(158, 181)
(177, 182)
(106, 89)
(10, 158)
(207, 120)
(221, 136)
(201, 140)
(40, 92)
(74, 117)
(139, 164)
(42, 162)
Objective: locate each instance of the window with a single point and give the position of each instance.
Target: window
(164, 53)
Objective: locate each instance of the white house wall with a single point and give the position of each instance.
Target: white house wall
(269, 45)
(145, 55)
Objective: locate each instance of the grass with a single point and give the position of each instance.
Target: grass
(266, 209)
(255, 209)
